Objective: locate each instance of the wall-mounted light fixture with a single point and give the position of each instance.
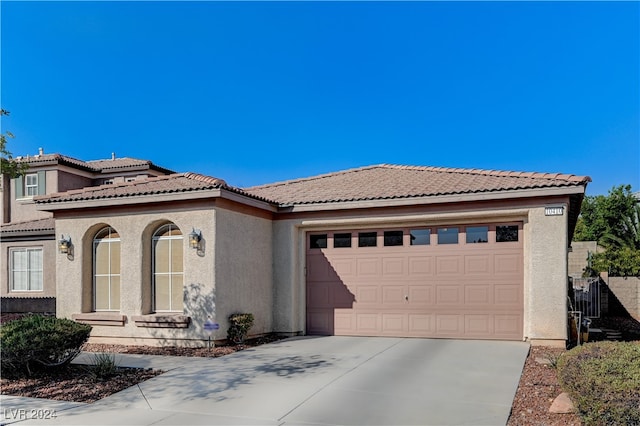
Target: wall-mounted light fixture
(64, 245)
(194, 238)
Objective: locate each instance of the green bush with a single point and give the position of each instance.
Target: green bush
(37, 341)
(603, 379)
(239, 325)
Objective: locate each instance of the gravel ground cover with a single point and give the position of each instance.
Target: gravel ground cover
(538, 388)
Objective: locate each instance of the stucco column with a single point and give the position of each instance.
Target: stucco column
(546, 276)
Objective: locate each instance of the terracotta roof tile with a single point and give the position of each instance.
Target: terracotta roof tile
(366, 183)
(386, 181)
(97, 166)
(123, 163)
(174, 183)
(47, 224)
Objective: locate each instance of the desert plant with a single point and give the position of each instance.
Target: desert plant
(35, 341)
(104, 366)
(603, 379)
(239, 325)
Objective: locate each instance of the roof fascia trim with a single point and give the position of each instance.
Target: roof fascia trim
(433, 199)
(129, 199)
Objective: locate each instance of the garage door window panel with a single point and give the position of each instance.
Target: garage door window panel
(342, 240)
(420, 237)
(318, 241)
(448, 235)
(477, 234)
(393, 238)
(367, 239)
(506, 233)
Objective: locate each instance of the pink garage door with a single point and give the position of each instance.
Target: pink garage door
(459, 281)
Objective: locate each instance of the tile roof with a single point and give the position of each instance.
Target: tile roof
(96, 166)
(46, 159)
(122, 163)
(386, 181)
(174, 183)
(366, 183)
(47, 224)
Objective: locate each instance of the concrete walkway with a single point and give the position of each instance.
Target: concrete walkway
(310, 381)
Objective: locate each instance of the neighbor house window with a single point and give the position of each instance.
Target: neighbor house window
(106, 267)
(168, 269)
(26, 269)
(31, 185)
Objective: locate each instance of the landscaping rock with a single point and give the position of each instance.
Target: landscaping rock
(562, 405)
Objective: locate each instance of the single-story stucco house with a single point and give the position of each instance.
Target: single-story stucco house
(383, 250)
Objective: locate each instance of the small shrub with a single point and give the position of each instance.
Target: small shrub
(104, 366)
(35, 341)
(239, 325)
(603, 379)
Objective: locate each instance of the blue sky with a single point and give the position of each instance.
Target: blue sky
(258, 92)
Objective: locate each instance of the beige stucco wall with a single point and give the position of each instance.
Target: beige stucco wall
(243, 269)
(24, 209)
(545, 258)
(74, 273)
(546, 248)
(48, 267)
(232, 272)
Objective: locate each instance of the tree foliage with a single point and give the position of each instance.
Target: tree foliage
(614, 222)
(9, 166)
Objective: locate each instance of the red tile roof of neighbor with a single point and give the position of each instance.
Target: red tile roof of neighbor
(47, 224)
(175, 183)
(97, 166)
(365, 183)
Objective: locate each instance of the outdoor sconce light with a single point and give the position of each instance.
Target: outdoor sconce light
(64, 245)
(194, 238)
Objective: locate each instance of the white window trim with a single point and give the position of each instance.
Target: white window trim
(170, 273)
(28, 270)
(28, 186)
(95, 242)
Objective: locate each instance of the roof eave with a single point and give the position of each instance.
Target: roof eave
(433, 199)
(191, 195)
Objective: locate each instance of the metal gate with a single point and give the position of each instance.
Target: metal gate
(586, 296)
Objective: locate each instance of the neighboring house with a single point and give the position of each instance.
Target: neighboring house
(374, 251)
(28, 237)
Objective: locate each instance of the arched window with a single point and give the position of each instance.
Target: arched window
(168, 269)
(106, 270)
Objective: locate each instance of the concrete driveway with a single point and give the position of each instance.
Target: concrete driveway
(318, 381)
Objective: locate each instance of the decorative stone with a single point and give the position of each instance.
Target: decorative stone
(543, 361)
(562, 404)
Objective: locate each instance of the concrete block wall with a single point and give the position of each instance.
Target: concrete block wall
(578, 256)
(627, 291)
